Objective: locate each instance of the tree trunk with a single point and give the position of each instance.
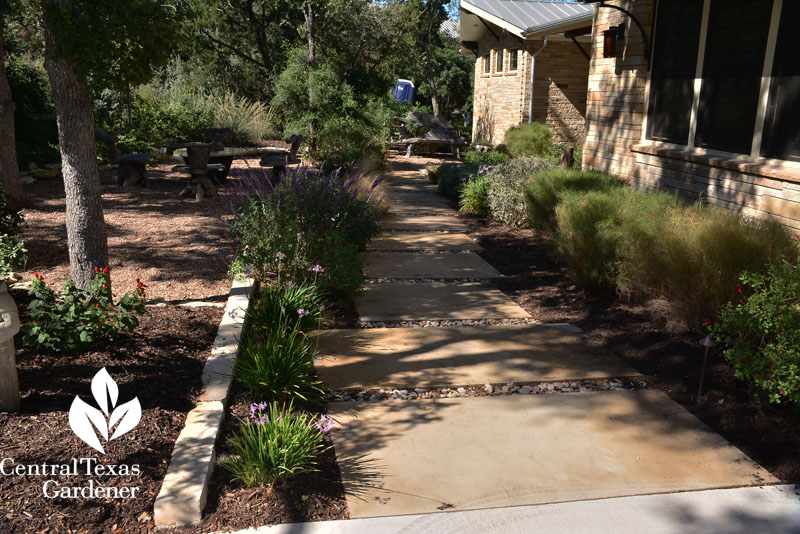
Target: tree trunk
(86, 227)
(429, 70)
(308, 12)
(9, 168)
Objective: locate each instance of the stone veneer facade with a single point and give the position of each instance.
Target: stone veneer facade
(501, 99)
(616, 103)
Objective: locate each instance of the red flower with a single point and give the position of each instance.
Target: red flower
(783, 392)
(234, 249)
(96, 269)
(105, 270)
(739, 290)
(96, 304)
(81, 356)
(768, 384)
(104, 286)
(36, 274)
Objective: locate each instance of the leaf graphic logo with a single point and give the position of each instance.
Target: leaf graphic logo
(86, 421)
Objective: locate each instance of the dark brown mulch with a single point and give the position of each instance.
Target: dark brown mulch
(669, 357)
(317, 496)
(160, 364)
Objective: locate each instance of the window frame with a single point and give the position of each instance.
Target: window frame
(513, 53)
(499, 61)
(761, 110)
(487, 63)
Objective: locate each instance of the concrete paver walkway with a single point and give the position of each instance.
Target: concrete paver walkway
(480, 463)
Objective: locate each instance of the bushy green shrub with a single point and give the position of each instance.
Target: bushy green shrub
(760, 330)
(250, 122)
(451, 178)
(598, 229)
(278, 364)
(531, 139)
(35, 130)
(274, 444)
(490, 157)
(309, 218)
(697, 256)
(74, 318)
(506, 193)
(545, 189)
(475, 197)
(13, 255)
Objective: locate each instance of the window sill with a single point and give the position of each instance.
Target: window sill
(498, 74)
(744, 164)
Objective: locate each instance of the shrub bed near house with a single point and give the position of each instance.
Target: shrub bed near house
(532, 139)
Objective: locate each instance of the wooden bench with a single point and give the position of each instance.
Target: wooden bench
(277, 157)
(131, 168)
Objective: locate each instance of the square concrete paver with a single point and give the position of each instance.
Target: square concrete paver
(423, 223)
(397, 301)
(411, 457)
(412, 187)
(429, 196)
(438, 357)
(422, 265)
(423, 241)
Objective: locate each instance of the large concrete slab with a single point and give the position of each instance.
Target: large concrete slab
(401, 457)
(412, 187)
(421, 265)
(423, 223)
(423, 241)
(438, 357)
(396, 301)
(393, 195)
(754, 510)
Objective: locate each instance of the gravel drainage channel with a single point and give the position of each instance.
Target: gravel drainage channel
(490, 390)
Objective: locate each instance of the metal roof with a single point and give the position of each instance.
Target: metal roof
(523, 17)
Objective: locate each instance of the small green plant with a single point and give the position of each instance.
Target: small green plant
(75, 318)
(13, 255)
(276, 363)
(10, 219)
(506, 192)
(532, 139)
(274, 444)
(451, 178)
(557, 150)
(760, 330)
(475, 197)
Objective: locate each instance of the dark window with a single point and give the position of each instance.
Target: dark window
(487, 64)
(499, 61)
(782, 127)
(513, 58)
(677, 40)
(732, 69)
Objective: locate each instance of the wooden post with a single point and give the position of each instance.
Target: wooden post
(568, 157)
(9, 383)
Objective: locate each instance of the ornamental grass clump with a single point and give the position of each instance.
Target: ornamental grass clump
(545, 189)
(275, 443)
(475, 197)
(532, 139)
(276, 362)
(298, 303)
(760, 330)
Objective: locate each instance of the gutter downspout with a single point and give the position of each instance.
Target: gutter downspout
(533, 71)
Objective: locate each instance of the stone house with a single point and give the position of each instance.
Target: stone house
(701, 97)
(531, 64)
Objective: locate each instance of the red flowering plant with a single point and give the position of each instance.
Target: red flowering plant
(760, 330)
(74, 318)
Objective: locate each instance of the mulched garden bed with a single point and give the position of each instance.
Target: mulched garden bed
(667, 354)
(160, 363)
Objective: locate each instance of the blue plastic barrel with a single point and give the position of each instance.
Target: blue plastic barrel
(403, 91)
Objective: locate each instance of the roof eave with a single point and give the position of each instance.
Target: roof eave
(561, 26)
(497, 21)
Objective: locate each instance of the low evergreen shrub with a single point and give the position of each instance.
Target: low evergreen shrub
(506, 190)
(532, 139)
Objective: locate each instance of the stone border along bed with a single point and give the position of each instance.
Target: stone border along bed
(449, 323)
(184, 491)
(489, 390)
